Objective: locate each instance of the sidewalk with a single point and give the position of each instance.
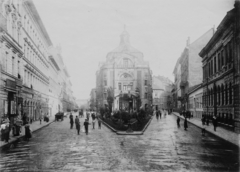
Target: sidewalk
(220, 132)
(34, 127)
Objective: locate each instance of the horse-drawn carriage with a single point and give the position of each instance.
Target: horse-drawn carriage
(59, 115)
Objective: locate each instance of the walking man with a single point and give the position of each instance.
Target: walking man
(86, 123)
(77, 123)
(160, 114)
(71, 120)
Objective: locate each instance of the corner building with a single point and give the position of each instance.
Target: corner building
(221, 71)
(129, 76)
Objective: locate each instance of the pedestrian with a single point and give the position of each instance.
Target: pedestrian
(93, 122)
(71, 120)
(178, 122)
(99, 123)
(203, 120)
(3, 127)
(215, 122)
(77, 123)
(157, 114)
(203, 130)
(160, 114)
(28, 132)
(185, 124)
(40, 119)
(86, 123)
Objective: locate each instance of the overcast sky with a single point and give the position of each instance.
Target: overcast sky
(88, 29)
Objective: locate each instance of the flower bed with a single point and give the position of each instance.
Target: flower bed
(136, 125)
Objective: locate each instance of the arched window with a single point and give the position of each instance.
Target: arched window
(230, 93)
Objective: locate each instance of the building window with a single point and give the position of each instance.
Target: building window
(125, 62)
(105, 82)
(145, 82)
(219, 62)
(215, 66)
(230, 52)
(19, 76)
(119, 86)
(13, 66)
(125, 87)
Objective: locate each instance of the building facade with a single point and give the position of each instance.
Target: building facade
(29, 78)
(188, 69)
(125, 79)
(195, 95)
(221, 71)
(162, 88)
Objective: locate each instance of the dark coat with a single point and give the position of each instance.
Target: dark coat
(71, 119)
(28, 133)
(185, 123)
(86, 123)
(77, 122)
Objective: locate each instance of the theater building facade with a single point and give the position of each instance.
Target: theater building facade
(127, 76)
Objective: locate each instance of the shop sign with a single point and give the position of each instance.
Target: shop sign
(11, 84)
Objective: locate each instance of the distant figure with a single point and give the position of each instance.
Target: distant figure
(28, 133)
(93, 121)
(160, 114)
(157, 114)
(215, 122)
(178, 122)
(99, 123)
(203, 120)
(86, 123)
(77, 123)
(71, 120)
(185, 124)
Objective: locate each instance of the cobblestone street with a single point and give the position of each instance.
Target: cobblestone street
(163, 147)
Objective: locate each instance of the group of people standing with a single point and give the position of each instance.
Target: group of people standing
(86, 122)
(185, 124)
(6, 128)
(160, 112)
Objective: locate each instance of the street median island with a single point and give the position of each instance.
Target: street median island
(124, 123)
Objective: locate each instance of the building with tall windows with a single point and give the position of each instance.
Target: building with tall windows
(188, 69)
(221, 71)
(34, 81)
(11, 59)
(125, 77)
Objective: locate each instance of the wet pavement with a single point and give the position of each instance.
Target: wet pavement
(163, 147)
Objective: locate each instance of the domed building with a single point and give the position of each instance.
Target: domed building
(124, 79)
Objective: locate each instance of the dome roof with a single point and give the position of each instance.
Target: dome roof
(124, 45)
